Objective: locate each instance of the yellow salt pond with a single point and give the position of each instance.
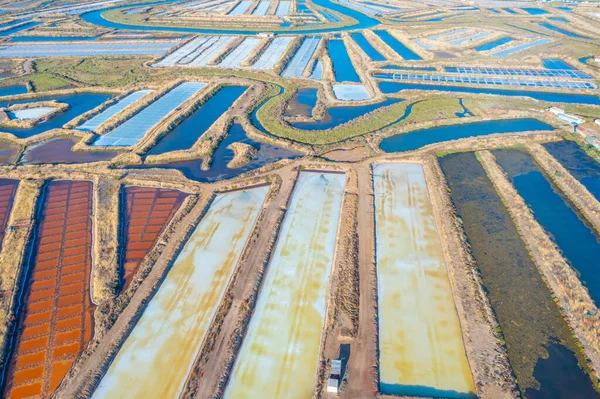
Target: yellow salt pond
(157, 357)
(420, 341)
(280, 353)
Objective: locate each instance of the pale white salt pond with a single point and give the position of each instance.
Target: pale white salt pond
(280, 353)
(157, 357)
(420, 341)
(31, 113)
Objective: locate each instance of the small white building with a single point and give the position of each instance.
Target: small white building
(597, 121)
(333, 385)
(336, 367)
(556, 111)
(597, 59)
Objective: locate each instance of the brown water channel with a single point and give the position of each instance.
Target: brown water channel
(541, 349)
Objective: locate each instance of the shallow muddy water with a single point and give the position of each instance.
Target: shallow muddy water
(529, 319)
(302, 103)
(579, 164)
(336, 116)
(280, 353)
(59, 151)
(574, 236)
(421, 350)
(159, 353)
(192, 169)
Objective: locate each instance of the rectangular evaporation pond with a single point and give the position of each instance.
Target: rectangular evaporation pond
(295, 68)
(416, 139)
(461, 40)
(534, 11)
(367, 47)
(510, 11)
(493, 44)
(262, 8)
(273, 53)
(208, 51)
(579, 164)
(55, 319)
(342, 65)
(280, 353)
(283, 8)
(572, 234)
(184, 51)
(494, 10)
(521, 47)
(487, 81)
(93, 123)
(160, 351)
(446, 34)
(240, 53)
(130, 132)
(87, 49)
(421, 351)
(184, 136)
(241, 8)
(562, 31)
(397, 46)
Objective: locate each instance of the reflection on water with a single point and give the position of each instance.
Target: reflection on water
(266, 154)
(529, 318)
(59, 151)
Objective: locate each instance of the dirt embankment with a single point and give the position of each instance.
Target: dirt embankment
(243, 153)
(488, 361)
(579, 310)
(13, 258)
(343, 301)
(105, 278)
(587, 204)
(362, 367)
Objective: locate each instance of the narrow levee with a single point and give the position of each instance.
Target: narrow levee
(577, 240)
(280, 352)
(8, 191)
(55, 319)
(147, 212)
(537, 339)
(421, 351)
(160, 351)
